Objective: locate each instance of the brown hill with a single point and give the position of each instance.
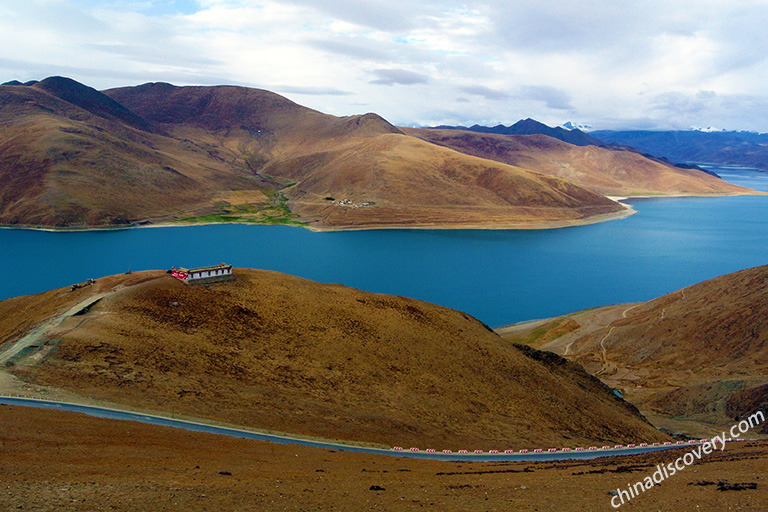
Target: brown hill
(85, 160)
(90, 100)
(414, 183)
(700, 353)
(73, 156)
(386, 178)
(604, 170)
(256, 117)
(278, 352)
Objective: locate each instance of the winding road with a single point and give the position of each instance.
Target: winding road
(603, 350)
(115, 414)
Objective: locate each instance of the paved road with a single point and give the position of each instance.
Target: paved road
(246, 434)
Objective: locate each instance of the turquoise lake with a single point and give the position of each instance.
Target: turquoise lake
(498, 276)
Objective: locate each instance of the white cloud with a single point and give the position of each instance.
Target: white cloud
(552, 97)
(485, 92)
(606, 63)
(398, 76)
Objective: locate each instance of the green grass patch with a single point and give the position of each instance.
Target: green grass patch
(274, 212)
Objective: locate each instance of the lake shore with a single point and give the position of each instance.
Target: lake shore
(628, 210)
(522, 225)
(499, 276)
(594, 219)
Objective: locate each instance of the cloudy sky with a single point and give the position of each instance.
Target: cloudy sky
(606, 63)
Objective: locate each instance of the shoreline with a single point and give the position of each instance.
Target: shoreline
(522, 226)
(620, 198)
(595, 219)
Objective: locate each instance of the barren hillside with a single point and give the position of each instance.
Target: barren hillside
(278, 352)
(70, 156)
(157, 153)
(384, 177)
(699, 354)
(177, 470)
(604, 170)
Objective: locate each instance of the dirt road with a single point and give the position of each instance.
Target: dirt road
(39, 333)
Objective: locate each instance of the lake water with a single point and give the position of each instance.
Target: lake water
(499, 276)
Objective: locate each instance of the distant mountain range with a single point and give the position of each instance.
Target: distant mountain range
(702, 146)
(532, 127)
(72, 156)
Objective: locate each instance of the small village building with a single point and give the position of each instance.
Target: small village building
(203, 275)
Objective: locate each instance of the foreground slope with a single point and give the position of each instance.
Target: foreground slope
(700, 353)
(278, 352)
(604, 170)
(176, 470)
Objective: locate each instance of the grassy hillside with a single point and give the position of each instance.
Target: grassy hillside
(698, 356)
(278, 352)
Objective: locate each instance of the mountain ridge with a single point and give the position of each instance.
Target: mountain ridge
(158, 153)
(530, 126)
(228, 153)
(716, 147)
(607, 170)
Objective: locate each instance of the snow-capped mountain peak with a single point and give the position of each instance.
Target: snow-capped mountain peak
(568, 125)
(708, 129)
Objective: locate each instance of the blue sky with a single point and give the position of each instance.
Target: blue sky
(643, 64)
